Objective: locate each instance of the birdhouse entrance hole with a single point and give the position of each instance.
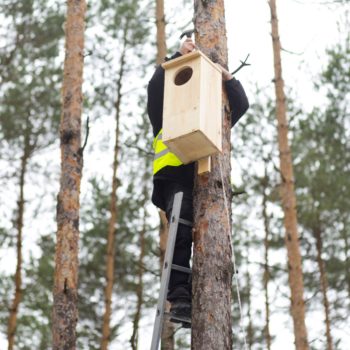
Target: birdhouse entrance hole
(183, 75)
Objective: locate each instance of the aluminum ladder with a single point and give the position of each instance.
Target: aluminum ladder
(175, 220)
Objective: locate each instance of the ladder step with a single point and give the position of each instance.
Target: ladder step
(173, 227)
(185, 222)
(178, 318)
(181, 268)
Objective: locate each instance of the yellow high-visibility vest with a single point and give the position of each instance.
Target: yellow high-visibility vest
(162, 155)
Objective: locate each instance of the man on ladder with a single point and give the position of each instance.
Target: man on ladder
(171, 176)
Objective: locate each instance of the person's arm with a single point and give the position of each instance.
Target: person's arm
(237, 99)
(236, 95)
(155, 92)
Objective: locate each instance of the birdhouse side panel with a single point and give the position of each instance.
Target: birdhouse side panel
(211, 104)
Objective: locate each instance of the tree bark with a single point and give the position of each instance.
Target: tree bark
(65, 313)
(288, 194)
(139, 291)
(110, 257)
(160, 23)
(12, 321)
(266, 264)
(167, 337)
(324, 286)
(212, 261)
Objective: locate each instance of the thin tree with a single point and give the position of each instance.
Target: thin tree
(65, 296)
(347, 256)
(317, 232)
(139, 289)
(28, 115)
(12, 321)
(167, 337)
(160, 24)
(212, 261)
(288, 194)
(141, 269)
(266, 276)
(250, 329)
(110, 258)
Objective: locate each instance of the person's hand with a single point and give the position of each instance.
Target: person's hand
(187, 46)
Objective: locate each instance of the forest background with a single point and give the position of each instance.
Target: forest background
(120, 58)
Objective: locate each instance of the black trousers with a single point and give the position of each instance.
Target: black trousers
(179, 284)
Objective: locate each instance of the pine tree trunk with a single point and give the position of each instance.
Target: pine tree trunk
(324, 285)
(288, 195)
(212, 261)
(110, 257)
(167, 337)
(12, 321)
(65, 313)
(139, 291)
(266, 264)
(160, 23)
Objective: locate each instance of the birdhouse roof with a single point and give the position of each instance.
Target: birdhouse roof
(188, 57)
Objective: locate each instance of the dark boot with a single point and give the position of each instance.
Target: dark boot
(180, 311)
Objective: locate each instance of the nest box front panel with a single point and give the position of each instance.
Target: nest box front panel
(181, 101)
(192, 107)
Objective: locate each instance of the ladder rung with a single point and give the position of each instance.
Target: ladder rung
(185, 222)
(181, 268)
(173, 227)
(178, 318)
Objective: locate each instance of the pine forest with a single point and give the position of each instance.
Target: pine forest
(82, 246)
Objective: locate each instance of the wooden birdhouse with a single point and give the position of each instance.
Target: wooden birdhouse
(192, 107)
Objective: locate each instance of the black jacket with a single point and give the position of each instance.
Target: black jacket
(184, 174)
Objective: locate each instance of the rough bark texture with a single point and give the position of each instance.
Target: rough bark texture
(139, 291)
(266, 264)
(163, 236)
(212, 261)
(160, 23)
(167, 337)
(65, 313)
(110, 257)
(324, 286)
(12, 321)
(288, 195)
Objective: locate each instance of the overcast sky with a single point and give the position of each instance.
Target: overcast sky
(306, 28)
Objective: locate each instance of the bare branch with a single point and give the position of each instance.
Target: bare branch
(243, 64)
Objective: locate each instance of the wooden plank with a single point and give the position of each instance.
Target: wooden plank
(188, 57)
(204, 165)
(192, 147)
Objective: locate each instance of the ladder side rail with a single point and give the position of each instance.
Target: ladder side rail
(174, 222)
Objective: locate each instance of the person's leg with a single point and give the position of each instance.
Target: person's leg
(179, 286)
